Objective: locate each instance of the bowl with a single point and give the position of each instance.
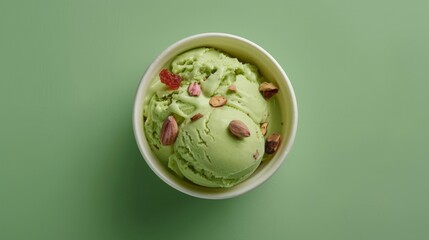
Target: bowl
(245, 51)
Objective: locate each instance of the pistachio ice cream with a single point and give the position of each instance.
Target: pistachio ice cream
(210, 118)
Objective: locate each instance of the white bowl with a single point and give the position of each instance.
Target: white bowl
(245, 51)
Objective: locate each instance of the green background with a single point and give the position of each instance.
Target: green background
(70, 167)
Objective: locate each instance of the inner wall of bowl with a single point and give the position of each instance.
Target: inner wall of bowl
(245, 52)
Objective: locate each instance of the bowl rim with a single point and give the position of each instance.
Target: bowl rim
(139, 101)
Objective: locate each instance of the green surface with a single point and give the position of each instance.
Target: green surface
(70, 169)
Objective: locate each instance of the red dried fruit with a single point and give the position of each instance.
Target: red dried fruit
(170, 79)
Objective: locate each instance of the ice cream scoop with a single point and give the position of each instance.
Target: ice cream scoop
(208, 154)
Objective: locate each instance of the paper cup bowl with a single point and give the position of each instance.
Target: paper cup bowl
(245, 51)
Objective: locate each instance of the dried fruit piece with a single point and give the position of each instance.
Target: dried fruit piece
(264, 127)
(196, 117)
(256, 155)
(217, 101)
(232, 88)
(194, 89)
(170, 79)
(268, 89)
(272, 143)
(169, 131)
(239, 129)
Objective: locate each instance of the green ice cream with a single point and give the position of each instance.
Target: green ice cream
(205, 151)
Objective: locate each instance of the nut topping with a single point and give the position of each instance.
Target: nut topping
(239, 129)
(217, 101)
(264, 127)
(232, 88)
(256, 155)
(169, 131)
(272, 143)
(268, 89)
(194, 89)
(196, 117)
